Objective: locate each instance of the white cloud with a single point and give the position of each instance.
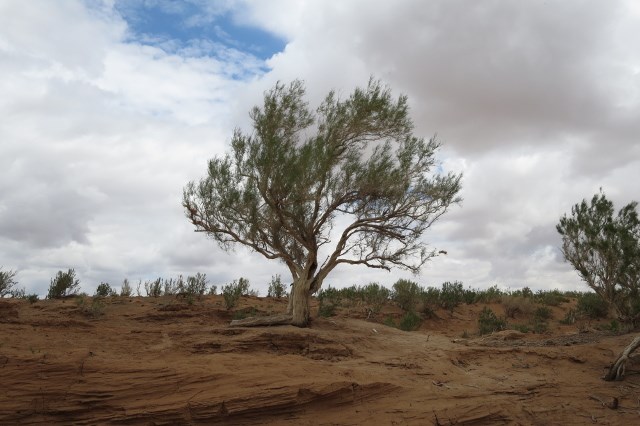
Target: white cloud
(536, 102)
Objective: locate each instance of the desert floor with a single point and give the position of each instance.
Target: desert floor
(167, 361)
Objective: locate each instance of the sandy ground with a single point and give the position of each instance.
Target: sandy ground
(165, 361)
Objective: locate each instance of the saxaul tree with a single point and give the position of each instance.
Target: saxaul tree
(347, 183)
(605, 251)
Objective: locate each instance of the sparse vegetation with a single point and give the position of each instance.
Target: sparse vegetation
(276, 288)
(105, 290)
(91, 307)
(126, 290)
(488, 322)
(451, 295)
(232, 292)
(517, 306)
(7, 282)
(592, 306)
(153, 288)
(375, 296)
(410, 321)
(63, 284)
(406, 294)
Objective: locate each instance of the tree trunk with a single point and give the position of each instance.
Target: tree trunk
(616, 372)
(261, 321)
(299, 302)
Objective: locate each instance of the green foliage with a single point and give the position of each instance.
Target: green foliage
(195, 285)
(451, 295)
(569, 317)
(550, 297)
(232, 292)
(410, 321)
(287, 180)
(430, 298)
(63, 284)
(213, 290)
(326, 309)
(543, 313)
(375, 296)
(488, 322)
(592, 306)
(94, 309)
(406, 294)
(154, 288)
(389, 322)
(7, 282)
(522, 328)
(605, 251)
(490, 295)
(105, 290)
(276, 288)
(126, 290)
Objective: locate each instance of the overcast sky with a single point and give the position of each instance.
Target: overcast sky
(108, 108)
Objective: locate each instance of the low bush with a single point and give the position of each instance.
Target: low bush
(451, 295)
(491, 295)
(105, 290)
(7, 282)
(153, 288)
(410, 321)
(94, 309)
(569, 317)
(276, 288)
(488, 322)
(375, 296)
(550, 297)
(406, 294)
(126, 290)
(517, 306)
(592, 306)
(195, 285)
(63, 284)
(232, 292)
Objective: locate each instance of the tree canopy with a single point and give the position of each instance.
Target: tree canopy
(605, 250)
(286, 185)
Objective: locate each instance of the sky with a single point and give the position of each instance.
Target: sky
(109, 107)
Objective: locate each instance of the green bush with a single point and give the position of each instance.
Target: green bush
(63, 284)
(195, 285)
(488, 322)
(543, 313)
(276, 288)
(232, 292)
(375, 296)
(550, 297)
(517, 306)
(126, 290)
(569, 317)
(104, 290)
(491, 295)
(326, 309)
(592, 306)
(451, 295)
(213, 290)
(153, 288)
(410, 321)
(7, 282)
(406, 294)
(94, 310)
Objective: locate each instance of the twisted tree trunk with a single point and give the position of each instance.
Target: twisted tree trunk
(617, 369)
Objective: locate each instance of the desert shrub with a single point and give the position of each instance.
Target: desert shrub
(375, 296)
(389, 322)
(232, 292)
(153, 288)
(488, 322)
(569, 317)
(104, 290)
(516, 305)
(276, 288)
(171, 286)
(490, 295)
(326, 309)
(213, 290)
(126, 290)
(592, 306)
(451, 295)
(543, 313)
(7, 282)
(469, 296)
(410, 321)
(328, 300)
(406, 294)
(550, 297)
(351, 294)
(32, 298)
(94, 309)
(63, 284)
(195, 285)
(523, 328)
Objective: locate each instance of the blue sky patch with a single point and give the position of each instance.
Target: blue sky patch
(184, 22)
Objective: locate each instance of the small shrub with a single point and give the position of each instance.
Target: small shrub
(488, 322)
(592, 306)
(326, 309)
(213, 290)
(491, 295)
(543, 313)
(126, 290)
(410, 321)
(539, 325)
(104, 290)
(523, 328)
(406, 294)
(32, 298)
(7, 282)
(375, 296)
(517, 306)
(232, 292)
(569, 317)
(63, 284)
(470, 296)
(550, 298)
(430, 297)
(451, 295)
(172, 286)
(276, 288)
(195, 285)
(153, 288)
(93, 310)
(389, 322)
(18, 293)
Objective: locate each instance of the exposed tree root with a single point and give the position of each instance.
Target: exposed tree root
(617, 370)
(282, 319)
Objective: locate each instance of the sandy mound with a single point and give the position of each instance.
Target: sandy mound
(165, 361)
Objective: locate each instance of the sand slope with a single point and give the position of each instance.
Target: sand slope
(165, 361)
